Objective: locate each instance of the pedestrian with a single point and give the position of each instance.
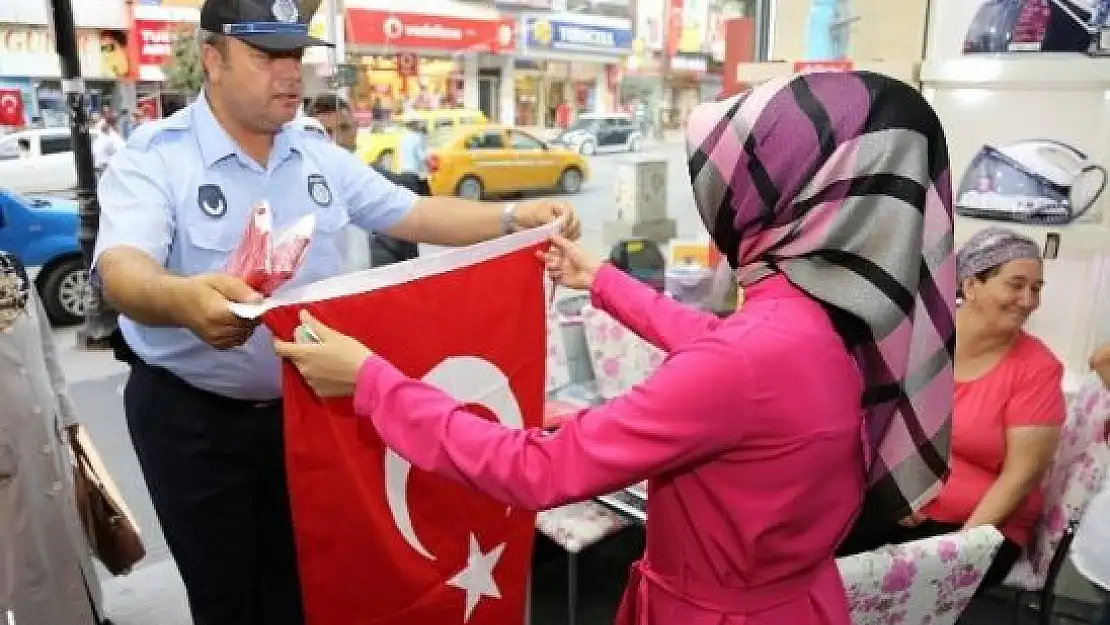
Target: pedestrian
(46, 570)
(203, 400)
(338, 121)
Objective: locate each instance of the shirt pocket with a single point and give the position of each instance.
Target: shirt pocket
(9, 461)
(210, 243)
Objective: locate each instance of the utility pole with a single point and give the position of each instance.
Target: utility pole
(99, 321)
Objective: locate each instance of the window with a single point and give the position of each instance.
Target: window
(521, 141)
(56, 144)
(486, 141)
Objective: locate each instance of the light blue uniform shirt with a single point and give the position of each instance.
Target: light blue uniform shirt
(182, 192)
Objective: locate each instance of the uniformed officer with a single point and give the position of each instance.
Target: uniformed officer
(203, 398)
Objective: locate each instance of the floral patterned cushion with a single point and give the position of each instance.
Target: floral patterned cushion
(558, 371)
(926, 581)
(576, 526)
(1076, 475)
(620, 359)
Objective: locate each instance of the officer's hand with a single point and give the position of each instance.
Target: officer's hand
(536, 213)
(206, 312)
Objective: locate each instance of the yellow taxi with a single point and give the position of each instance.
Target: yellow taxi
(376, 146)
(487, 160)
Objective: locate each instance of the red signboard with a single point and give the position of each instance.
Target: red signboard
(822, 66)
(11, 108)
(154, 41)
(412, 30)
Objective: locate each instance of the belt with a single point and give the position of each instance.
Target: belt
(221, 401)
(722, 600)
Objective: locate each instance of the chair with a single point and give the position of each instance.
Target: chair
(1076, 475)
(926, 581)
(620, 359)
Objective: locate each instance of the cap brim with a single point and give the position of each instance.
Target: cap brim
(282, 42)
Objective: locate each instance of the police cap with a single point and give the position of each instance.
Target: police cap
(269, 25)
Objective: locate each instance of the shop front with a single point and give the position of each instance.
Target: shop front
(154, 29)
(419, 61)
(568, 66)
(32, 74)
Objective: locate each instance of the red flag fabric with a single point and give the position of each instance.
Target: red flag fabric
(377, 540)
(11, 108)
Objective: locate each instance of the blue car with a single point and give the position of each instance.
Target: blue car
(42, 233)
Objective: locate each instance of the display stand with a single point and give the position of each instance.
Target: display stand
(1000, 99)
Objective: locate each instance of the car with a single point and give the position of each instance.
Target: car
(38, 161)
(377, 145)
(591, 134)
(489, 160)
(42, 233)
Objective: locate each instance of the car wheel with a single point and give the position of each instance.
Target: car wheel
(65, 292)
(385, 160)
(588, 148)
(470, 188)
(634, 144)
(570, 182)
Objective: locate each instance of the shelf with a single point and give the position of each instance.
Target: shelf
(1076, 240)
(1046, 70)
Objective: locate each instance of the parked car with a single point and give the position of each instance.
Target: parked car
(590, 134)
(486, 160)
(42, 233)
(377, 146)
(38, 161)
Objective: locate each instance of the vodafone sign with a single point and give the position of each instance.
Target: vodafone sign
(412, 30)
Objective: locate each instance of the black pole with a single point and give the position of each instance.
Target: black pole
(99, 322)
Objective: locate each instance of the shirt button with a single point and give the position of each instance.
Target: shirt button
(23, 371)
(57, 486)
(36, 410)
(47, 449)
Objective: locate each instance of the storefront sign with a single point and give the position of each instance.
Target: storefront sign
(414, 31)
(11, 108)
(30, 51)
(566, 34)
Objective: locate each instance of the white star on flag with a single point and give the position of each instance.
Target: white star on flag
(477, 577)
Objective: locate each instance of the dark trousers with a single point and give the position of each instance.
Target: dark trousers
(868, 534)
(216, 473)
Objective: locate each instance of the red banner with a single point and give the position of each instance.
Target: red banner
(412, 30)
(379, 541)
(11, 108)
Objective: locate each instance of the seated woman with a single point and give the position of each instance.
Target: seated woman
(1009, 408)
(750, 431)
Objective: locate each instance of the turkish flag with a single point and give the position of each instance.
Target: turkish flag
(11, 108)
(377, 540)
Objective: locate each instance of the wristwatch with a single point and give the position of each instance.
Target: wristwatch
(508, 225)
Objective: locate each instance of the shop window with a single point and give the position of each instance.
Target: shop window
(56, 145)
(523, 142)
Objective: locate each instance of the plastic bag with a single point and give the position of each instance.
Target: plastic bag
(264, 263)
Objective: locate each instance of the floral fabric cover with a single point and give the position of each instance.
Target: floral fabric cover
(558, 371)
(620, 359)
(1076, 475)
(926, 581)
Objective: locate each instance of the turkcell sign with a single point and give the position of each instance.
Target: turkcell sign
(566, 34)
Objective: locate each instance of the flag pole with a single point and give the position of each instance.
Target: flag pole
(100, 321)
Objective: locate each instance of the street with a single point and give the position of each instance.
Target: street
(153, 594)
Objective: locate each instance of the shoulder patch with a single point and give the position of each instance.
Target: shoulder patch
(143, 137)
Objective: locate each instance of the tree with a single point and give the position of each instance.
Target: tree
(183, 69)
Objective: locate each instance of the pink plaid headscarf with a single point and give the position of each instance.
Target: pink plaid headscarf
(840, 182)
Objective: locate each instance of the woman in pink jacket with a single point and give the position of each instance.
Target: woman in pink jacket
(761, 432)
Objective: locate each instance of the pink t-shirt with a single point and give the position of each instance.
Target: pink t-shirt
(1023, 389)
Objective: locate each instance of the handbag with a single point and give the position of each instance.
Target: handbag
(109, 527)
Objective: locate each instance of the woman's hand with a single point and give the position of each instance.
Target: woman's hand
(570, 265)
(331, 365)
(913, 520)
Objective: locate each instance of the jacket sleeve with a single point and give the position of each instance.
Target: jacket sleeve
(696, 405)
(654, 317)
(67, 414)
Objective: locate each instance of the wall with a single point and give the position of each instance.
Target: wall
(886, 29)
(106, 14)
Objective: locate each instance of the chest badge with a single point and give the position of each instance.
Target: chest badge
(211, 200)
(318, 190)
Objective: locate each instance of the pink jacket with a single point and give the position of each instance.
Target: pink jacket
(749, 433)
